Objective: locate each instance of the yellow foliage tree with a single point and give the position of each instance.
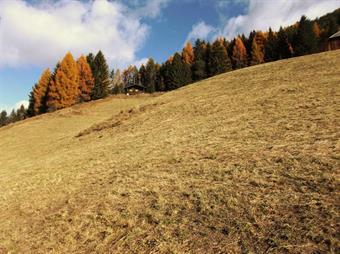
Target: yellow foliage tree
(40, 92)
(86, 81)
(316, 29)
(239, 54)
(256, 54)
(188, 54)
(64, 86)
(260, 39)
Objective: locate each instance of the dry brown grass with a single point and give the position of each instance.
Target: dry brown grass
(245, 162)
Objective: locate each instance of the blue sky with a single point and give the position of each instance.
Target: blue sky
(35, 34)
(169, 32)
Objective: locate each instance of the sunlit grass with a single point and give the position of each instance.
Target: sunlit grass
(245, 162)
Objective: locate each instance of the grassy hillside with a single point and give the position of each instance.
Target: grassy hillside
(244, 162)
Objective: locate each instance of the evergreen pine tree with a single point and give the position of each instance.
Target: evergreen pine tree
(142, 75)
(317, 33)
(226, 44)
(333, 26)
(3, 118)
(305, 41)
(179, 73)
(86, 81)
(101, 77)
(284, 49)
(239, 54)
(30, 110)
(160, 85)
(165, 75)
(207, 59)
(230, 49)
(21, 113)
(219, 62)
(186, 73)
(90, 61)
(248, 45)
(150, 77)
(12, 117)
(199, 66)
(64, 86)
(271, 47)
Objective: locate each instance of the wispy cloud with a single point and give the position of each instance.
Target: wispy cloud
(148, 8)
(200, 31)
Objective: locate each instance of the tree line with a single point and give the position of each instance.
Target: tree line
(204, 59)
(88, 78)
(73, 81)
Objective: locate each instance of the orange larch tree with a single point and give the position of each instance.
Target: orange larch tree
(86, 81)
(64, 86)
(261, 40)
(188, 54)
(256, 54)
(239, 54)
(40, 92)
(316, 29)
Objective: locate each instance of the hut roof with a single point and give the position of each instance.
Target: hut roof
(134, 85)
(336, 35)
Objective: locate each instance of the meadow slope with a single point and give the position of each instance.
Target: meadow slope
(244, 162)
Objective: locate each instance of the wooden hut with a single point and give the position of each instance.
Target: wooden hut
(134, 89)
(334, 41)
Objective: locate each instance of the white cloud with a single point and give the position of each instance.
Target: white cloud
(42, 33)
(17, 105)
(139, 62)
(200, 31)
(22, 102)
(149, 8)
(262, 14)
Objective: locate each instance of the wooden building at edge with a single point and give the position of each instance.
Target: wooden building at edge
(334, 41)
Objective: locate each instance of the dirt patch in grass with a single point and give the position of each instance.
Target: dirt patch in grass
(117, 120)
